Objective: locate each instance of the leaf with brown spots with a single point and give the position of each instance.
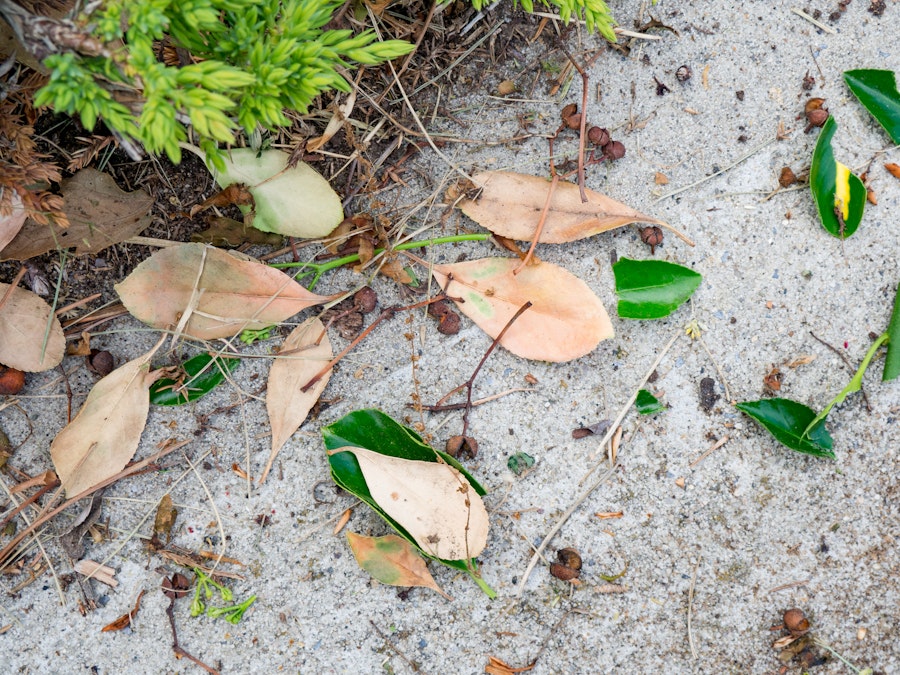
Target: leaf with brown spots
(393, 561)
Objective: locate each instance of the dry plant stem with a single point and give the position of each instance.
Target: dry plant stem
(411, 664)
(459, 406)
(27, 502)
(387, 313)
(12, 285)
(849, 366)
(690, 611)
(124, 473)
(77, 303)
(585, 82)
(177, 648)
(715, 446)
(468, 384)
(540, 225)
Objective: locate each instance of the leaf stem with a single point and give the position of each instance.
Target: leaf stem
(318, 269)
(855, 384)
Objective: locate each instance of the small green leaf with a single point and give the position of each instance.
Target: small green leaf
(203, 373)
(647, 404)
(877, 91)
(652, 289)
(892, 360)
(786, 420)
(839, 194)
(519, 462)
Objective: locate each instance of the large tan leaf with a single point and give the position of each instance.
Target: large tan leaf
(392, 560)
(105, 434)
(223, 293)
(12, 221)
(100, 215)
(299, 359)
(23, 322)
(510, 204)
(432, 501)
(566, 320)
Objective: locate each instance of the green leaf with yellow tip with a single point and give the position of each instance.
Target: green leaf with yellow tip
(839, 194)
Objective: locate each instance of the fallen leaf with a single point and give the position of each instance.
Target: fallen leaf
(302, 355)
(105, 434)
(496, 666)
(893, 169)
(166, 513)
(510, 205)
(124, 621)
(660, 178)
(342, 113)
(233, 195)
(233, 292)
(566, 319)
(24, 319)
(392, 560)
(801, 360)
(224, 231)
(12, 220)
(432, 501)
(293, 201)
(773, 378)
(100, 214)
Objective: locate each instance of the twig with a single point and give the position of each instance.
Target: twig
(846, 363)
(715, 446)
(412, 664)
(468, 384)
(585, 82)
(817, 24)
(459, 406)
(743, 158)
(790, 584)
(540, 224)
(690, 611)
(177, 648)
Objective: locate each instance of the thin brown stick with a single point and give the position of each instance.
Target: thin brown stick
(77, 303)
(459, 406)
(12, 285)
(690, 611)
(540, 225)
(581, 135)
(849, 366)
(715, 446)
(177, 648)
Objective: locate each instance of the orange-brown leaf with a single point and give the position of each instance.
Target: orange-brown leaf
(566, 319)
(302, 355)
(223, 292)
(23, 321)
(392, 560)
(510, 205)
(893, 169)
(125, 620)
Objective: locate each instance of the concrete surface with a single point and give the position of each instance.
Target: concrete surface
(752, 517)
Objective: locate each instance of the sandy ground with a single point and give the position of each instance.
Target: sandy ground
(756, 528)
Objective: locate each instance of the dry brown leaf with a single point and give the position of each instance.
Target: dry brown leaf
(432, 501)
(12, 222)
(392, 560)
(893, 169)
(343, 112)
(497, 666)
(166, 513)
(302, 355)
(801, 360)
(510, 204)
(23, 322)
(393, 269)
(125, 620)
(566, 320)
(224, 292)
(100, 215)
(235, 194)
(105, 434)
(224, 231)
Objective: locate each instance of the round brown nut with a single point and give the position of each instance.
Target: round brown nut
(569, 557)
(449, 324)
(438, 308)
(573, 121)
(683, 74)
(365, 299)
(817, 117)
(101, 362)
(795, 621)
(11, 381)
(614, 150)
(787, 177)
(568, 111)
(598, 136)
(814, 104)
(562, 572)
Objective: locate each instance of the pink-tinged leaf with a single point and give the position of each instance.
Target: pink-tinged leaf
(300, 358)
(566, 319)
(105, 434)
(392, 560)
(510, 204)
(23, 323)
(12, 219)
(432, 501)
(223, 293)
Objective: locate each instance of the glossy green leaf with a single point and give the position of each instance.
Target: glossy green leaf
(786, 420)
(519, 462)
(892, 360)
(374, 430)
(839, 194)
(202, 374)
(647, 404)
(877, 91)
(652, 289)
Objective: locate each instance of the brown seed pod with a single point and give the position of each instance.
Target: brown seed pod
(449, 323)
(100, 362)
(568, 111)
(817, 117)
(683, 74)
(814, 104)
(365, 299)
(569, 557)
(563, 573)
(573, 121)
(787, 177)
(11, 381)
(598, 136)
(614, 150)
(461, 446)
(438, 309)
(795, 621)
(652, 235)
